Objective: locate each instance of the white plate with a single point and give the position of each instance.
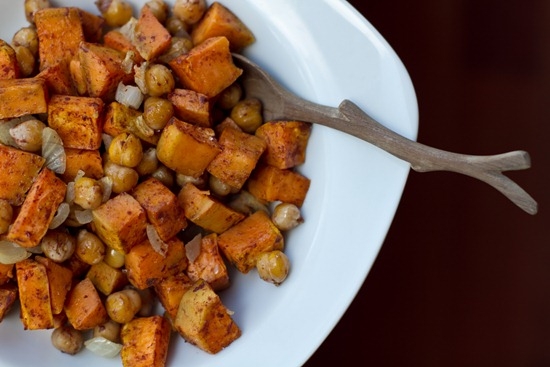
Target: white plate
(323, 50)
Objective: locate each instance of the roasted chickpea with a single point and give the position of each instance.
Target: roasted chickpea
(28, 135)
(159, 9)
(126, 150)
(58, 245)
(114, 258)
(286, 216)
(159, 80)
(32, 6)
(157, 112)
(124, 178)
(109, 330)
(164, 175)
(219, 187)
(189, 11)
(177, 27)
(25, 60)
(149, 163)
(88, 193)
(122, 306)
(115, 12)
(230, 96)
(67, 339)
(182, 180)
(247, 113)
(178, 46)
(89, 247)
(273, 266)
(26, 37)
(6, 215)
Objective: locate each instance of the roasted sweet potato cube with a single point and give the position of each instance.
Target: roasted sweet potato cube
(87, 161)
(146, 266)
(34, 295)
(60, 279)
(161, 206)
(220, 21)
(151, 38)
(270, 183)
(59, 34)
(116, 40)
(84, 308)
(204, 321)
(19, 169)
(243, 242)
(145, 342)
(9, 68)
(21, 97)
(120, 118)
(120, 222)
(59, 80)
(207, 68)
(187, 149)
(77, 76)
(101, 69)
(170, 290)
(38, 209)
(92, 26)
(6, 273)
(77, 120)
(191, 106)
(77, 266)
(8, 296)
(286, 142)
(239, 156)
(106, 278)
(205, 211)
(209, 265)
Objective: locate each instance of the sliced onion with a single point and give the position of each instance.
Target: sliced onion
(158, 244)
(129, 95)
(53, 151)
(11, 252)
(128, 62)
(128, 30)
(69, 195)
(83, 216)
(103, 347)
(139, 76)
(5, 127)
(106, 183)
(60, 216)
(193, 248)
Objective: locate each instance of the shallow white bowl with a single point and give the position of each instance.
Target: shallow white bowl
(323, 50)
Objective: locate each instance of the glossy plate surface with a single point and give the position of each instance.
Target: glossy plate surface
(323, 50)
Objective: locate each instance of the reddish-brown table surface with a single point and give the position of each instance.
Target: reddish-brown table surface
(463, 277)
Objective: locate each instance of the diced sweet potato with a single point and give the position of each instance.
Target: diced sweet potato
(8, 296)
(286, 142)
(77, 266)
(170, 290)
(151, 38)
(77, 120)
(106, 278)
(77, 76)
(186, 148)
(239, 156)
(101, 69)
(204, 321)
(21, 97)
(191, 106)
(92, 26)
(270, 183)
(59, 80)
(208, 68)
(84, 307)
(120, 222)
(59, 34)
(38, 209)
(120, 118)
(161, 206)
(145, 342)
(6, 273)
(243, 242)
(34, 295)
(116, 40)
(220, 21)
(146, 267)
(9, 68)
(205, 211)
(60, 279)
(19, 169)
(209, 265)
(87, 161)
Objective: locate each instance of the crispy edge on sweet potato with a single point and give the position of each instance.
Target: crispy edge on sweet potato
(145, 342)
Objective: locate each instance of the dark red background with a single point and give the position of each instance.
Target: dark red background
(463, 278)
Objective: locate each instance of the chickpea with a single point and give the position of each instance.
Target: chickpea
(157, 111)
(247, 113)
(286, 216)
(124, 178)
(28, 135)
(159, 9)
(273, 266)
(123, 305)
(26, 37)
(114, 258)
(58, 245)
(178, 46)
(88, 193)
(126, 150)
(115, 12)
(109, 330)
(177, 27)
(189, 11)
(182, 180)
(32, 6)
(219, 187)
(230, 96)
(89, 247)
(25, 60)
(6, 215)
(164, 175)
(149, 163)
(67, 339)
(159, 80)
